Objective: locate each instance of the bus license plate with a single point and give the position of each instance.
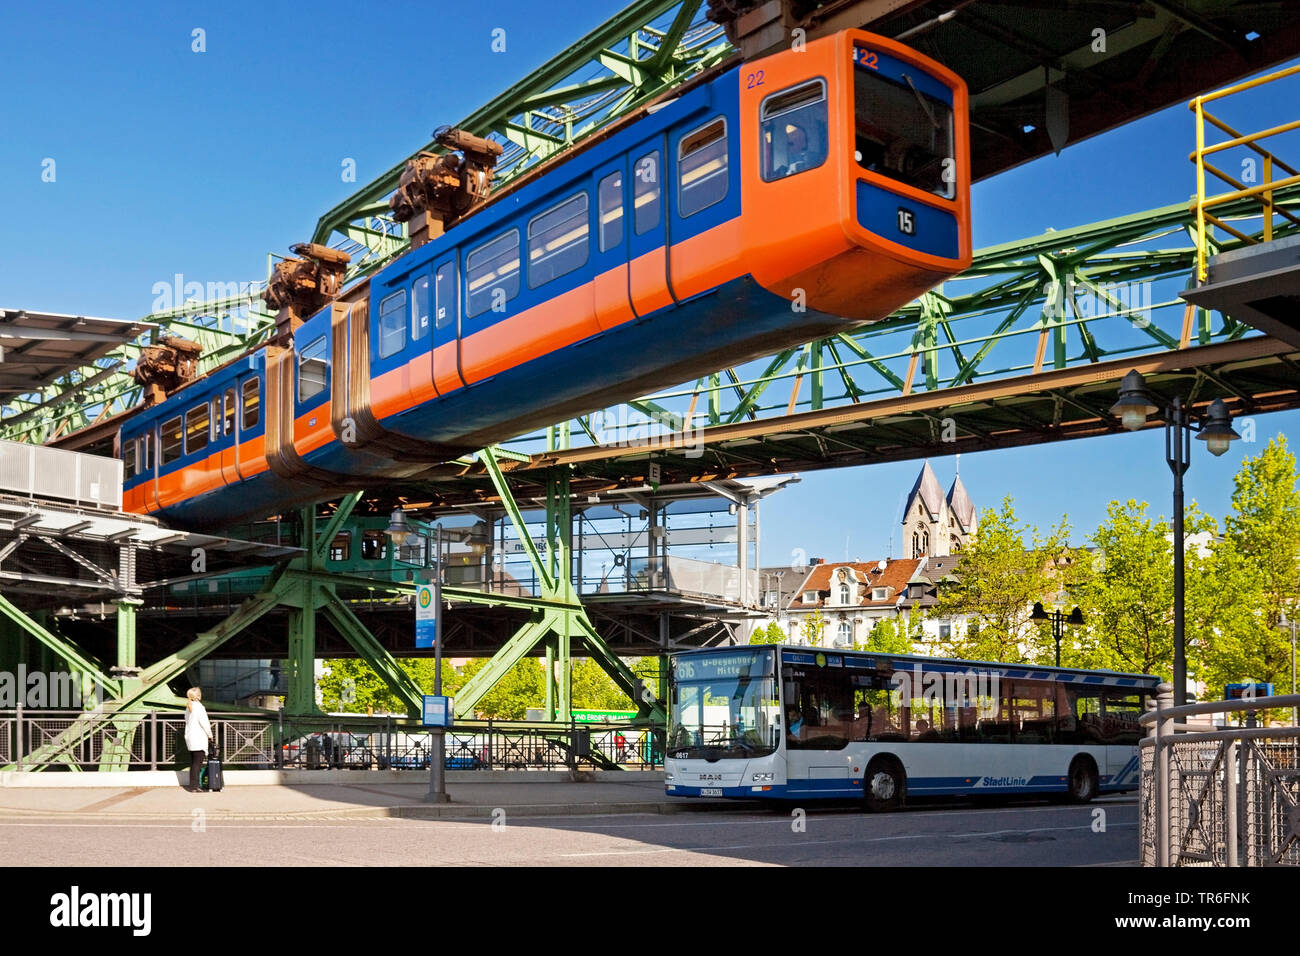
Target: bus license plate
(710, 791)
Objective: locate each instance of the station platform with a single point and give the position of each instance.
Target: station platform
(259, 795)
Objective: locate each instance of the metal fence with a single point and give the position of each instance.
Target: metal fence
(1219, 796)
(253, 742)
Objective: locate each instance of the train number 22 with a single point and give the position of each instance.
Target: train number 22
(753, 80)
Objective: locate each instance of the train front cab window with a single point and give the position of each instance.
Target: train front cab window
(902, 132)
(792, 130)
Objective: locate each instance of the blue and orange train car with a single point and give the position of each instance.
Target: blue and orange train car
(787, 198)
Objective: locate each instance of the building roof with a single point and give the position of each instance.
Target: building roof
(930, 491)
(962, 506)
(823, 577)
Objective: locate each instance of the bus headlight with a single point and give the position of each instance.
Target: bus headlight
(668, 776)
(762, 778)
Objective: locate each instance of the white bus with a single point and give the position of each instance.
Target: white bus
(802, 723)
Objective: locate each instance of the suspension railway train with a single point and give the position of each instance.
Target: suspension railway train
(782, 200)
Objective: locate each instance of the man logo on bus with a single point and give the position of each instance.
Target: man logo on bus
(976, 688)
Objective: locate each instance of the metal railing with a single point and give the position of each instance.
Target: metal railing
(1263, 190)
(255, 742)
(1226, 796)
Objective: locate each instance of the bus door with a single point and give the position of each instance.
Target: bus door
(610, 255)
(445, 350)
(647, 255)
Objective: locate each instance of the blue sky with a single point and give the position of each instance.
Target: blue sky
(168, 160)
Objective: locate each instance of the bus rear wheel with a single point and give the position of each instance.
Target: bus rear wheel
(884, 785)
(1083, 780)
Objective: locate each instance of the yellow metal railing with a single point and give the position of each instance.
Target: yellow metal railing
(1263, 190)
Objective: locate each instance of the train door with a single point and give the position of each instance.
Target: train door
(446, 349)
(647, 255)
(227, 433)
(611, 247)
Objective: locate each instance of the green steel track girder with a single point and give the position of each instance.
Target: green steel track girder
(641, 52)
(77, 661)
(1094, 293)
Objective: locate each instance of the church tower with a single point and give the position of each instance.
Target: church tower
(936, 524)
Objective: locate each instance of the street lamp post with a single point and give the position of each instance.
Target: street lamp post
(1059, 620)
(1134, 405)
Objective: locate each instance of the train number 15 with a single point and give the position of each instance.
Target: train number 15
(906, 222)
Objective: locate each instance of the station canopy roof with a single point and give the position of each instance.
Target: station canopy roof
(41, 347)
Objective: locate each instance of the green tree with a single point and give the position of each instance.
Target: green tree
(521, 687)
(1264, 531)
(771, 634)
(997, 582)
(887, 637)
(350, 684)
(593, 689)
(814, 626)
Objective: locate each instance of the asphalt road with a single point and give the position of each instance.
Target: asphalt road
(1103, 833)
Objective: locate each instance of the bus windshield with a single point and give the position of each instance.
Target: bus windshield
(724, 705)
(903, 133)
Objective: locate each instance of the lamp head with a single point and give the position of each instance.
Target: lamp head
(1217, 432)
(1039, 614)
(397, 528)
(1076, 617)
(1135, 402)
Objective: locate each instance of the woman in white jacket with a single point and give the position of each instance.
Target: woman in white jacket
(198, 732)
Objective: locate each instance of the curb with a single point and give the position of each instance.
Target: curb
(408, 812)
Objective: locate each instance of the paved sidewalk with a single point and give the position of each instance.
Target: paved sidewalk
(347, 799)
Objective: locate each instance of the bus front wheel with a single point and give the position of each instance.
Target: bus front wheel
(1083, 780)
(884, 786)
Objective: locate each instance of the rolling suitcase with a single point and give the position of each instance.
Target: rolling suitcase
(210, 778)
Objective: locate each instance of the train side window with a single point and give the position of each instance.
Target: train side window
(445, 295)
(252, 403)
(557, 240)
(610, 198)
(491, 267)
(170, 439)
(374, 545)
(645, 192)
(702, 167)
(198, 425)
(313, 370)
(128, 459)
(229, 417)
(419, 308)
(341, 546)
(792, 130)
(392, 324)
(146, 454)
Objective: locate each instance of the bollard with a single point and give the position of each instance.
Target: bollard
(1165, 729)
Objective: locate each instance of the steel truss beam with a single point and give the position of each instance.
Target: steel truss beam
(641, 52)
